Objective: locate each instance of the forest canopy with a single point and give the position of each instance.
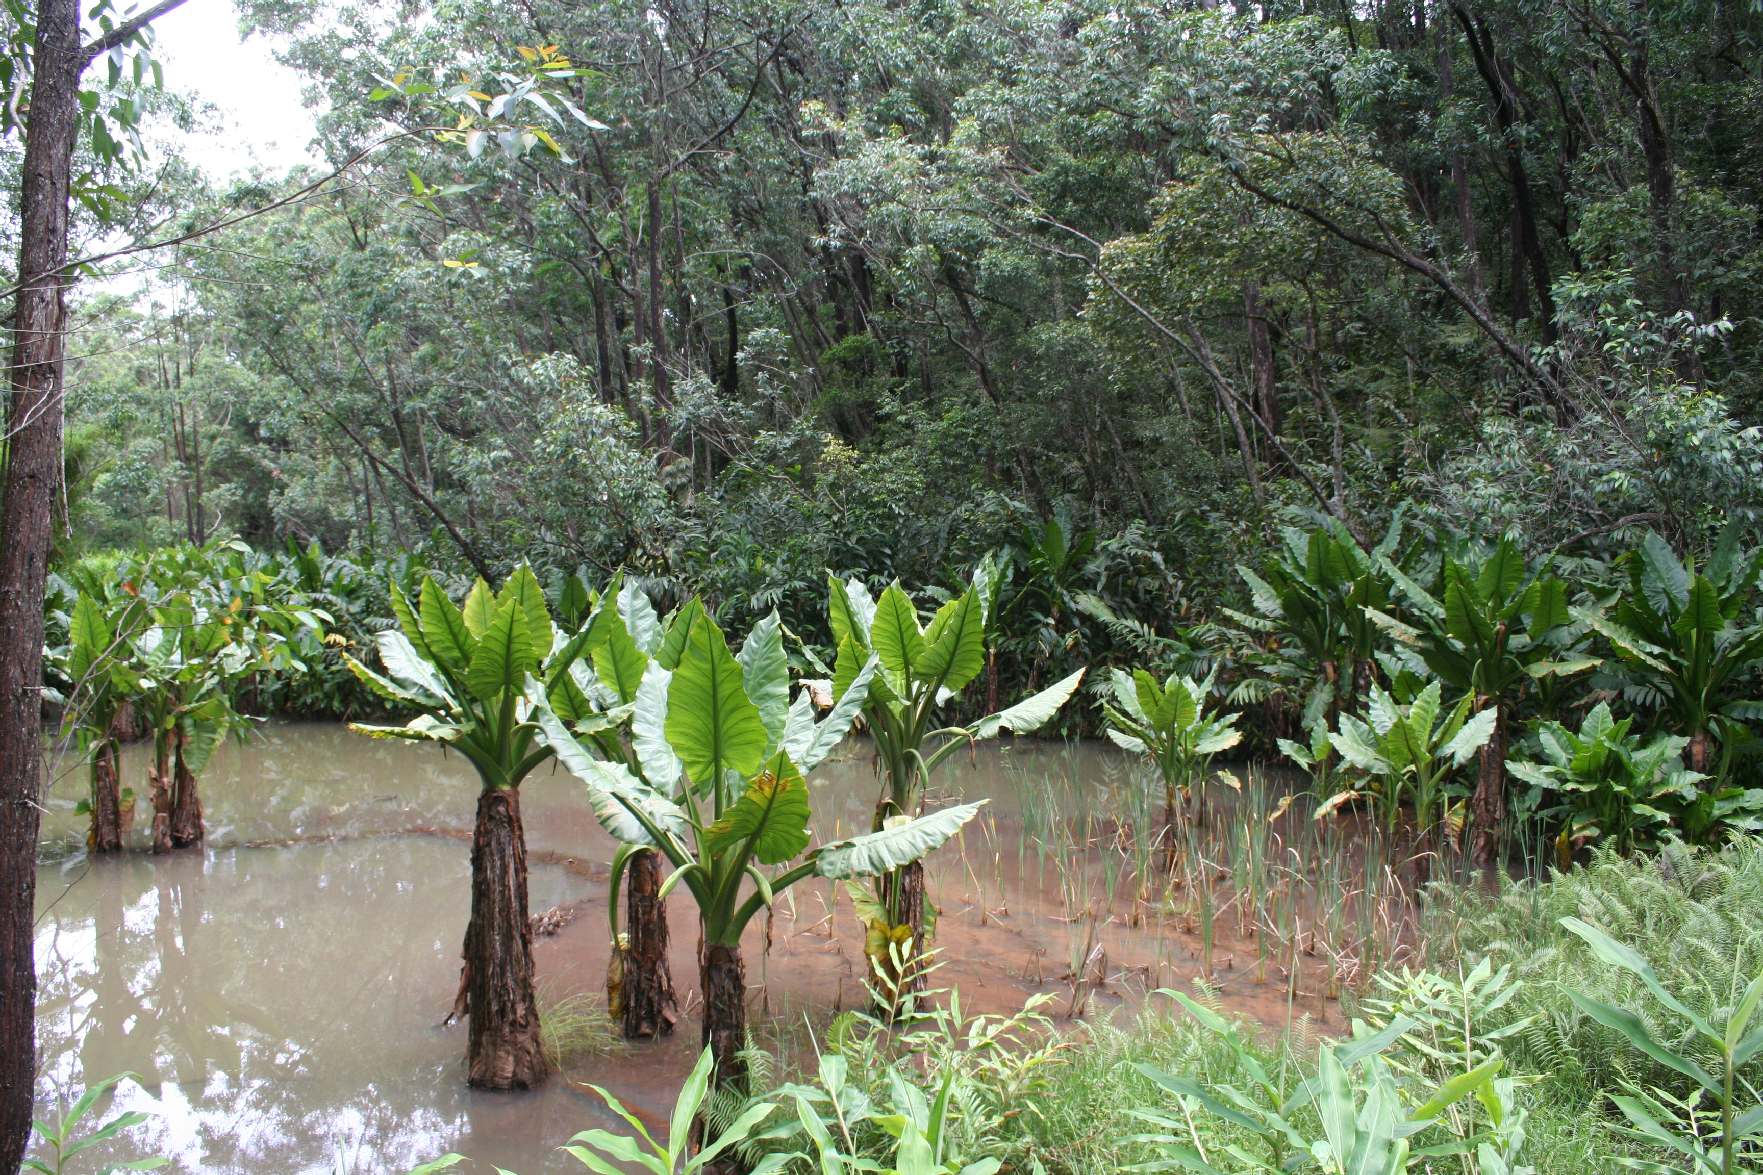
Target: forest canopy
(730, 294)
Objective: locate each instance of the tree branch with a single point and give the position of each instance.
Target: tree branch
(125, 32)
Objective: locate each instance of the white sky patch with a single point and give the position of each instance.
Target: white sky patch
(258, 101)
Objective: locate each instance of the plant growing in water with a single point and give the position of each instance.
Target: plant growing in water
(468, 671)
(100, 687)
(1408, 752)
(920, 669)
(1169, 724)
(723, 749)
(1489, 628)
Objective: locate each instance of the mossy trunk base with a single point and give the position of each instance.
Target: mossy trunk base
(503, 1050)
(649, 1008)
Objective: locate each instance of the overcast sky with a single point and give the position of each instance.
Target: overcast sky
(258, 99)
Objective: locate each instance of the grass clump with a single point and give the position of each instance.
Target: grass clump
(575, 1028)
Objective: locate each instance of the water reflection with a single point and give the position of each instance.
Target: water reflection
(281, 1002)
(280, 992)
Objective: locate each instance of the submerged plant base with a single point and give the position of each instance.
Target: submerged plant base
(505, 1050)
(647, 1006)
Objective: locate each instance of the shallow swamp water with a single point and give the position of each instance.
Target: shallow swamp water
(280, 992)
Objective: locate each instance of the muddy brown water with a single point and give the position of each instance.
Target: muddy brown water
(280, 992)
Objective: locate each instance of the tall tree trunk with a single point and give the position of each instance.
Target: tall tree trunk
(503, 1050)
(1487, 808)
(1265, 390)
(33, 465)
(649, 1007)
(107, 827)
(186, 804)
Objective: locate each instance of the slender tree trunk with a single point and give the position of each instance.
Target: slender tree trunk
(649, 1006)
(503, 1050)
(186, 803)
(1487, 808)
(33, 465)
(107, 827)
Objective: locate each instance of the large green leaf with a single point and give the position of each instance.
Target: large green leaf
(408, 666)
(765, 674)
(680, 628)
(809, 745)
(661, 767)
(480, 608)
(1701, 618)
(1664, 582)
(955, 643)
(618, 661)
(406, 615)
(90, 635)
(711, 723)
(849, 609)
(895, 635)
(1030, 713)
(443, 627)
(772, 816)
(877, 852)
(533, 619)
(639, 617)
(616, 795)
(1501, 574)
(503, 656)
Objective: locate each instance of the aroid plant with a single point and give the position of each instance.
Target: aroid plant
(471, 672)
(1407, 752)
(722, 750)
(1168, 723)
(918, 670)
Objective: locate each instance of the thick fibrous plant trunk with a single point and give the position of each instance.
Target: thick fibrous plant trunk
(159, 791)
(649, 1007)
(723, 977)
(1699, 746)
(504, 1050)
(902, 894)
(33, 465)
(107, 827)
(186, 804)
(1487, 809)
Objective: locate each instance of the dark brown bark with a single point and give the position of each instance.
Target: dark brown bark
(1487, 808)
(503, 1050)
(186, 804)
(107, 827)
(33, 464)
(159, 792)
(33, 467)
(649, 1005)
(1700, 744)
(723, 977)
(1496, 72)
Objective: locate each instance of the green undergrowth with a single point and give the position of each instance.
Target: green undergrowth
(1041, 1096)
